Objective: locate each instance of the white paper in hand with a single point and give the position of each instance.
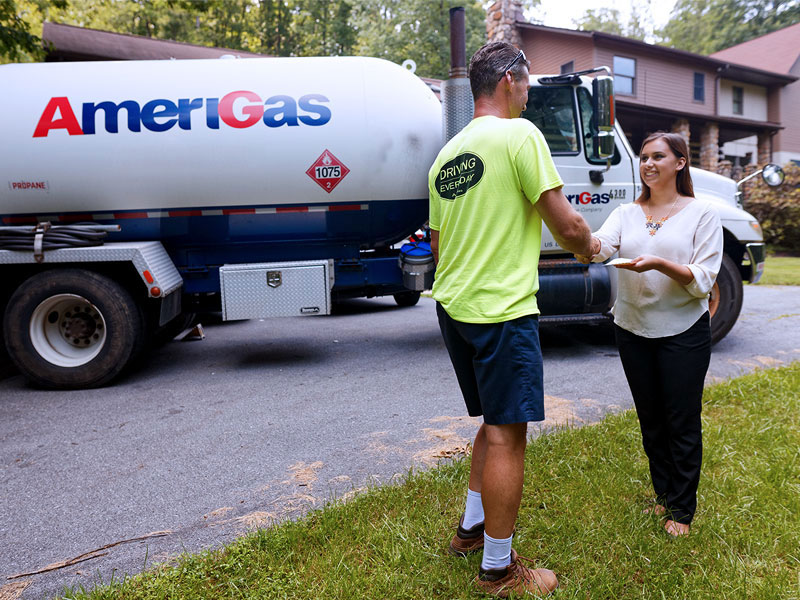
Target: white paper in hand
(619, 261)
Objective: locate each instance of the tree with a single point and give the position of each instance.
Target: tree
(324, 28)
(706, 26)
(609, 20)
(163, 19)
(15, 35)
(16, 40)
(640, 24)
(223, 23)
(391, 29)
(226, 24)
(416, 29)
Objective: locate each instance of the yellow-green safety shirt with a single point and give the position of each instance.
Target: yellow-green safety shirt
(483, 187)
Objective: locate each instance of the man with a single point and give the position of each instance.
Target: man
(490, 188)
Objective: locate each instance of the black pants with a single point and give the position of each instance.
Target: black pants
(666, 377)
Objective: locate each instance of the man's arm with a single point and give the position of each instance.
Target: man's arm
(435, 245)
(569, 229)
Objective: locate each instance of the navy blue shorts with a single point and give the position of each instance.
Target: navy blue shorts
(498, 367)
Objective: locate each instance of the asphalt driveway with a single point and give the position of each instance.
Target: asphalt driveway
(264, 420)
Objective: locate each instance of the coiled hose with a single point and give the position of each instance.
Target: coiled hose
(53, 237)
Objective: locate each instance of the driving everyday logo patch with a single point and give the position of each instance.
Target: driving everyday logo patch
(458, 175)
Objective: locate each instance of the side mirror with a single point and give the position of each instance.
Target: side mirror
(773, 175)
(603, 116)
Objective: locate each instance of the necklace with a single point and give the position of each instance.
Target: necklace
(653, 226)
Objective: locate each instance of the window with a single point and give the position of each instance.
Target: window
(624, 75)
(699, 87)
(585, 105)
(568, 67)
(552, 110)
(738, 100)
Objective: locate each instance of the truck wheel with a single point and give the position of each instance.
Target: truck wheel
(406, 298)
(725, 301)
(72, 329)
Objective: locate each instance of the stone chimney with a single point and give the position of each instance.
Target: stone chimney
(501, 18)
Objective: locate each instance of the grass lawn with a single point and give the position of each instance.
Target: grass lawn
(581, 516)
(781, 270)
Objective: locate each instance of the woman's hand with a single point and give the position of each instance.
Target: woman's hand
(640, 264)
(647, 262)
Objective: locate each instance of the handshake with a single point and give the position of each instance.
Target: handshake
(595, 249)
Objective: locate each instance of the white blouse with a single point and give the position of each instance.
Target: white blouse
(651, 304)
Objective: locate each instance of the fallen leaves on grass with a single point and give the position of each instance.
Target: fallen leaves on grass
(768, 361)
(256, 520)
(559, 411)
(305, 475)
(214, 514)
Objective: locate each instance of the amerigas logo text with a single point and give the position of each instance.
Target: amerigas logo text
(240, 109)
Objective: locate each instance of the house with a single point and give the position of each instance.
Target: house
(708, 100)
(779, 52)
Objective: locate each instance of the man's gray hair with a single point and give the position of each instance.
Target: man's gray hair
(486, 67)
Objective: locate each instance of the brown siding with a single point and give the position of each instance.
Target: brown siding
(548, 51)
(788, 140)
(664, 84)
(774, 104)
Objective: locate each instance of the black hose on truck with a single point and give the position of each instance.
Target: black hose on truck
(54, 237)
(45, 236)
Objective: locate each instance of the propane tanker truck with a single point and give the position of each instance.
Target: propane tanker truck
(132, 193)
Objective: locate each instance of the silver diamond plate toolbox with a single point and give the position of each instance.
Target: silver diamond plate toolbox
(285, 289)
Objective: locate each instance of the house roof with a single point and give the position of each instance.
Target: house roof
(80, 43)
(777, 51)
(748, 74)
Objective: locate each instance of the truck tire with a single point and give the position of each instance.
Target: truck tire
(72, 329)
(6, 366)
(406, 298)
(725, 301)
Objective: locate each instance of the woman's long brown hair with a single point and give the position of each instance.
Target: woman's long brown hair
(683, 179)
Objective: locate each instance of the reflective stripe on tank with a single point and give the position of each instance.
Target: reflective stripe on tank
(181, 212)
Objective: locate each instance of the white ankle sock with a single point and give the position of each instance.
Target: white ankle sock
(496, 553)
(473, 513)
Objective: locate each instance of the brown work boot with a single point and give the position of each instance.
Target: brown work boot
(466, 541)
(516, 578)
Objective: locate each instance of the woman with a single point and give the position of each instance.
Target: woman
(661, 320)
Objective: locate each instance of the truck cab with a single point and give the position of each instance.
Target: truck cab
(564, 109)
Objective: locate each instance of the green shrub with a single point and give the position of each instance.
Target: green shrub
(777, 209)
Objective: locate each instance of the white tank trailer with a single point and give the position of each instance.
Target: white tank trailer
(262, 187)
(153, 144)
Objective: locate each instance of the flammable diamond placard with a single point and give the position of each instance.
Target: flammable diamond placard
(327, 171)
